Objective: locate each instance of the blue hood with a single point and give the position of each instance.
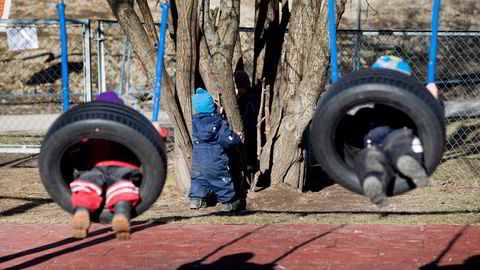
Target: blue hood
(205, 126)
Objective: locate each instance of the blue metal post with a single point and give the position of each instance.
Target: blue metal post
(160, 49)
(63, 54)
(432, 58)
(332, 37)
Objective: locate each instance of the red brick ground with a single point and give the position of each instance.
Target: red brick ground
(157, 246)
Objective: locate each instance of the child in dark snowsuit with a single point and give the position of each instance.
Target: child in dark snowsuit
(211, 137)
(108, 168)
(387, 148)
(249, 110)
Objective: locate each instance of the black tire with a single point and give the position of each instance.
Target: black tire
(102, 120)
(383, 86)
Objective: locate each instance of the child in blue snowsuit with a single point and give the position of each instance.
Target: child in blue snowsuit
(211, 137)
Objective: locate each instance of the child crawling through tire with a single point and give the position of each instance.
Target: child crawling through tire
(109, 168)
(389, 145)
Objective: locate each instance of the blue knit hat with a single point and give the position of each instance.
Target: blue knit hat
(109, 96)
(393, 62)
(202, 101)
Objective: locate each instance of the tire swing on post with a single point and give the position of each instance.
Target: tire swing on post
(65, 150)
(402, 93)
(379, 86)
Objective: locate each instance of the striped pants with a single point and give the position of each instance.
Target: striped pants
(117, 178)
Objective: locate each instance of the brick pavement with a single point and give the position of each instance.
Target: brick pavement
(277, 246)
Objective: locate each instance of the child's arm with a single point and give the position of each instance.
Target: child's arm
(227, 137)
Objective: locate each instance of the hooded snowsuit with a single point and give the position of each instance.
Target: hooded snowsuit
(210, 173)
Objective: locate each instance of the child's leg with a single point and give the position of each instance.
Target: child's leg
(86, 198)
(374, 173)
(122, 195)
(406, 153)
(198, 193)
(225, 191)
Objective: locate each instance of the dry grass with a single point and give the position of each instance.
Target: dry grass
(24, 200)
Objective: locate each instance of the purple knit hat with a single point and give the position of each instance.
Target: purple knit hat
(109, 96)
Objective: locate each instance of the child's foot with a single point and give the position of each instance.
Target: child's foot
(121, 220)
(411, 168)
(231, 207)
(196, 203)
(80, 223)
(121, 226)
(373, 189)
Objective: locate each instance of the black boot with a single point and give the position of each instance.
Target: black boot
(374, 172)
(121, 219)
(406, 152)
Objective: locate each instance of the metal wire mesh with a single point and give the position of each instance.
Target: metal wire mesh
(247, 37)
(30, 84)
(120, 61)
(458, 78)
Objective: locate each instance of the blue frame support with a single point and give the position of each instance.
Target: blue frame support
(332, 37)
(160, 51)
(63, 54)
(432, 57)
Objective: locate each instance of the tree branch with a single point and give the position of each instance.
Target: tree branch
(148, 19)
(207, 25)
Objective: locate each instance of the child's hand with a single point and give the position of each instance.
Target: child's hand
(240, 134)
(433, 89)
(162, 131)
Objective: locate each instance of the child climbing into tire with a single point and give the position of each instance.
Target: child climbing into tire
(388, 149)
(109, 169)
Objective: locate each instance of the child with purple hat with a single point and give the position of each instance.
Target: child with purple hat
(118, 176)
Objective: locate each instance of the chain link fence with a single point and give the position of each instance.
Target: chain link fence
(247, 38)
(99, 59)
(120, 70)
(30, 88)
(123, 71)
(30, 85)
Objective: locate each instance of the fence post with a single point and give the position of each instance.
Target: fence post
(121, 89)
(432, 58)
(160, 47)
(129, 67)
(356, 49)
(102, 84)
(63, 53)
(332, 37)
(87, 63)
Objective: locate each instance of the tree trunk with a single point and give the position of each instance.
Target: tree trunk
(298, 86)
(148, 19)
(186, 55)
(133, 28)
(216, 55)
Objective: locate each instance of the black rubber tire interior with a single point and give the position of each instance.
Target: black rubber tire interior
(383, 86)
(113, 122)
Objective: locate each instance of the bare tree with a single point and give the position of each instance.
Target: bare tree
(203, 45)
(297, 86)
(174, 98)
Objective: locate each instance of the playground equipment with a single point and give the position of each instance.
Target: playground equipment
(379, 86)
(129, 129)
(65, 148)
